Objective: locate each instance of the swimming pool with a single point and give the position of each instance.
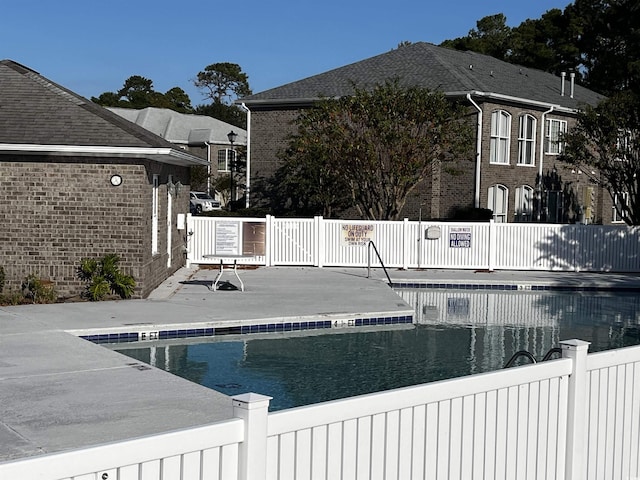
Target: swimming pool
(456, 333)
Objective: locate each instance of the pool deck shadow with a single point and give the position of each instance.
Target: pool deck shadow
(60, 392)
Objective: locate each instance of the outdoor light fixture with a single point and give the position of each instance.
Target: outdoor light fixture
(232, 136)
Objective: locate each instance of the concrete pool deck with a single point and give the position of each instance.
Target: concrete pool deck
(60, 392)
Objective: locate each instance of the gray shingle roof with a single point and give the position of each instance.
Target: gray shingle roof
(182, 128)
(437, 68)
(34, 110)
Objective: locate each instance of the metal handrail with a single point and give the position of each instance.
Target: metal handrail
(520, 353)
(371, 244)
(524, 353)
(547, 355)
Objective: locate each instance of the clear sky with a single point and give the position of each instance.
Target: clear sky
(92, 46)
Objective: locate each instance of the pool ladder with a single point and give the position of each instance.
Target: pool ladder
(524, 353)
(371, 244)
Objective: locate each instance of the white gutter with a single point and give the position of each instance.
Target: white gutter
(542, 139)
(161, 154)
(476, 199)
(208, 167)
(248, 168)
(508, 98)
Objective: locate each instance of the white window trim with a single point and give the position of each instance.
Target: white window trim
(500, 136)
(229, 154)
(554, 146)
(522, 215)
(616, 218)
(500, 217)
(523, 141)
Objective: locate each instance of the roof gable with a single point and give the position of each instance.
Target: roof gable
(436, 68)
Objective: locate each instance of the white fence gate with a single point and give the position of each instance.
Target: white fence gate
(573, 418)
(343, 243)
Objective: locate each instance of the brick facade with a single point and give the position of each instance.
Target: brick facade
(57, 210)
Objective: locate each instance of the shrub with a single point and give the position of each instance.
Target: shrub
(38, 290)
(103, 276)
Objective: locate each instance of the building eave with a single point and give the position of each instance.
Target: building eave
(510, 99)
(159, 154)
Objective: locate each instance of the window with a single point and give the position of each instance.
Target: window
(527, 140)
(226, 159)
(500, 128)
(497, 202)
(524, 203)
(620, 201)
(554, 132)
(154, 216)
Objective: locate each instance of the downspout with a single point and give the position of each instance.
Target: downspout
(542, 138)
(478, 151)
(208, 167)
(248, 169)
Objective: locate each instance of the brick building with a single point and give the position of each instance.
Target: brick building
(519, 115)
(77, 180)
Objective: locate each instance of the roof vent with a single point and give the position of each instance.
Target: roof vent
(562, 76)
(572, 75)
(470, 67)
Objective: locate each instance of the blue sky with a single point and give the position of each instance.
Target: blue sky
(91, 47)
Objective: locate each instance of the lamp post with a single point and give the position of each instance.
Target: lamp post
(232, 138)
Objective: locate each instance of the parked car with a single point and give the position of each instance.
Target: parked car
(202, 202)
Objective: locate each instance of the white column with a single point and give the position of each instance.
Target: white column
(576, 350)
(252, 457)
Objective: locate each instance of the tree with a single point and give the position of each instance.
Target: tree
(548, 43)
(138, 92)
(492, 37)
(373, 148)
(606, 140)
(223, 82)
(610, 43)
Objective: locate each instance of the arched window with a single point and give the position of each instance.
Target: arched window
(527, 140)
(500, 136)
(497, 202)
(524, 203)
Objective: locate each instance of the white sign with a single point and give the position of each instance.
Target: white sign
(228, 238)
(356, 235)
(460, 237)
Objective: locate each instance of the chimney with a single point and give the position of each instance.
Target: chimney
(572, 75)
(562, 76)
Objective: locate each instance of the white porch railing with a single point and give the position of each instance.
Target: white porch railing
(573, 418)
(493, 246)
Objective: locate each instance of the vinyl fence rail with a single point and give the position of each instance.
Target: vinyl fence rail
(319, 242)
(573, 418)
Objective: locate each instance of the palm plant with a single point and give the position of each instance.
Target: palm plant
(103, 276)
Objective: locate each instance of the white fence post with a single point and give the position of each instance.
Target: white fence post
(269, 240)
(188, 238)
(576, 458)
(492, 245)
(406, 247)
(252, 457)
(319, 241)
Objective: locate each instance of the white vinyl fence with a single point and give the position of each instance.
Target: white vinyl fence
(573, 418)
(319, 242)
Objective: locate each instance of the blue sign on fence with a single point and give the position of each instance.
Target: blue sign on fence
(460, 237)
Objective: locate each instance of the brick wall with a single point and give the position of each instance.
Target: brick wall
(54, 212)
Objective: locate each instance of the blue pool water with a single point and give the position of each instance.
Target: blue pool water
(457, 333)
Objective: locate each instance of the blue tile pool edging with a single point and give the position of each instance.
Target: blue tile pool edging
(245, 329)
(515, 287)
